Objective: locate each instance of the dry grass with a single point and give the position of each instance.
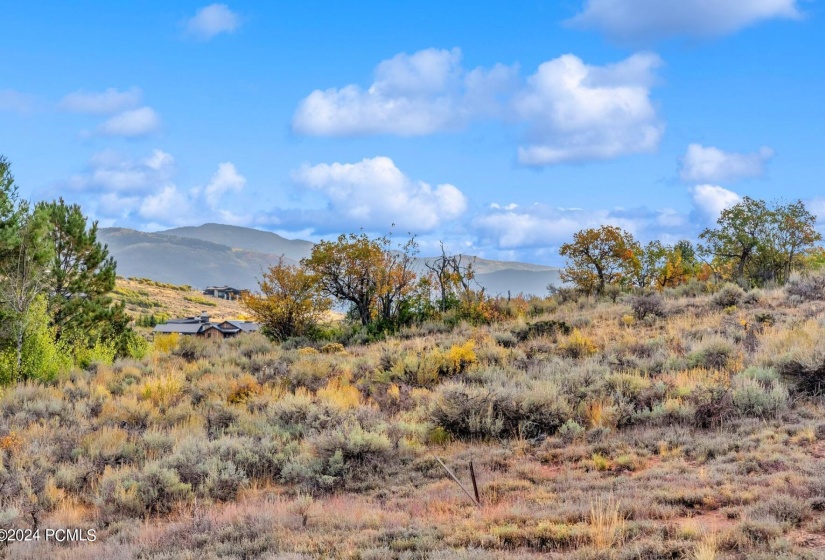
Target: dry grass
(619, 440)
(144, 298)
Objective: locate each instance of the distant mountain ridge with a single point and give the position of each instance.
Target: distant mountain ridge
(246, 238)
(216, 254)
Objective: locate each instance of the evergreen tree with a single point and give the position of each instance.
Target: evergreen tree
(81, 273)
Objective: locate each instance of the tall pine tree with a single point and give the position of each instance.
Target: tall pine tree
(81, 275)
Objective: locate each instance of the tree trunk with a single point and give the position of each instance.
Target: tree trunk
(19, 350)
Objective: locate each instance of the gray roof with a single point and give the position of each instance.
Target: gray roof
(246, 326)
(183, 328)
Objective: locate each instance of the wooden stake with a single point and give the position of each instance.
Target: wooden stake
(475, 486)
(449, 472)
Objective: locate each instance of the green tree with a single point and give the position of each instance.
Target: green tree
(650, 261)
(758, 242)
(601, 257)
(24, 276)
(735, 242)
(81, 275)
(290, 302)
(795, 235)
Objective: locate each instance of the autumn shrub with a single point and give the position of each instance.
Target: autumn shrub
(577, 346)
(166, 343)
(163, 390)
(461, 356)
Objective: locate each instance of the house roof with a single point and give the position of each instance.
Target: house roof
(246, 326)
(183, 328)
(187, 326)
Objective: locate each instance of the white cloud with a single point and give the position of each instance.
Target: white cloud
(711, 165)
(213, 20)
(571, 111)
(133, 123)
(143, 192)
(541, 226)
(106, 102)
(710, 200)
(110, 172)
(411, 95)
(643, 20)
(225, 179)
(576, 112)
(374, 193)
(167, 206)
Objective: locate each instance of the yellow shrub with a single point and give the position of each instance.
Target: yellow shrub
(394, 392)
(600, 462)
(307, 351)
(461, 356)
(578, 345)
(163, 390)
(165, 343)
(243, 389)
(332, 348)
(340, 394)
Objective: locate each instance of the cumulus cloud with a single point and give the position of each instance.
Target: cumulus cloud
(411, 95)
(111, 172)
(576, 112)
(225, 179)
(105, 102)
(644, 20)
(138, 192)
(213, 20)
(710, 200)
(570, 111)
(131, 124)
(527, 230)
(374, 193)
(540, 226)
(711, 165)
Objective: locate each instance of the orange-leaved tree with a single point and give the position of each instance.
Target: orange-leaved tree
(600, 257)
(290, 302)
(366, 273)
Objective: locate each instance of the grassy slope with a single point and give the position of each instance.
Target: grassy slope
(144, 296)
(678, 454)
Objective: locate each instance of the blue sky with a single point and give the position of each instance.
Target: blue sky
(499, 128)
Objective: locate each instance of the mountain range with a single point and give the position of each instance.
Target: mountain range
(217, 255)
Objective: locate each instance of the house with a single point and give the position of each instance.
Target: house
(223, 292)
(202, 326)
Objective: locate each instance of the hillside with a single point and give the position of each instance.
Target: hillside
(143, 296)
(215, 254)
(181, 260)
(687, 425)
(247, 239)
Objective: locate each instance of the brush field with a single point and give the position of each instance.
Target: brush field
(689, 425)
